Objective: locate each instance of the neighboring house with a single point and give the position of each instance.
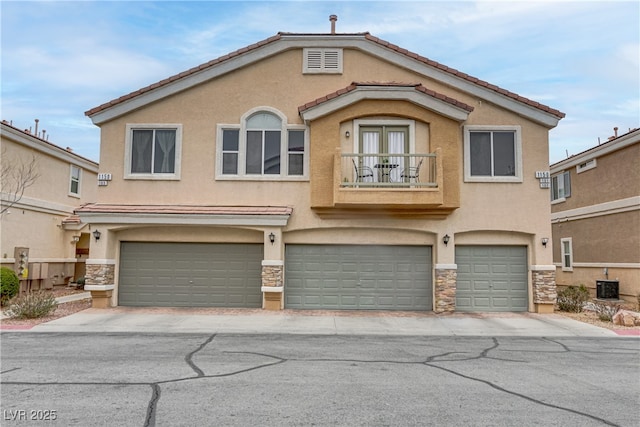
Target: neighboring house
(42, 220)
(595, 216)
(323, 171)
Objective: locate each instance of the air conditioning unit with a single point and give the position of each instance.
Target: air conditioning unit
(607, 289)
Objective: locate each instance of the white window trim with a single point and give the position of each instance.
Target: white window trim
(242, 150)
(357, 123)
(322, 70)
(467, 154)
(588, 165)
(563, 253)
(175, 176)
(563, 198)
(70, 193)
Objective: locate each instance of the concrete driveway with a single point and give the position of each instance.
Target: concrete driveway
(153, 320)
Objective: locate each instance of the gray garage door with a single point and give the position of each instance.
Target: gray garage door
(491, 278)
(190, 275)
(355, 277)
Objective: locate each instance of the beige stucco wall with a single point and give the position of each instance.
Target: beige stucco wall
(615, 177)
(483, 213)
(35, 221)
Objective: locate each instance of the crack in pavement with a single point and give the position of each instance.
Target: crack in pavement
(430, 361)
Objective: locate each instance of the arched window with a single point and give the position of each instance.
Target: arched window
(262, 145)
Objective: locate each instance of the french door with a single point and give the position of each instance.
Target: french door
(380, 143)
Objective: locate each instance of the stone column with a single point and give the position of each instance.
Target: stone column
(100, 281)
(272, 284)
(445, 288)
(543, 279)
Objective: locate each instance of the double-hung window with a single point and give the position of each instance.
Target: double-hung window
(74, 181)
(560, 186)
(566, 251)
(492, 154)
(263, 146)
(153, 151)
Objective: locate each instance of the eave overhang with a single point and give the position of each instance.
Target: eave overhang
(414, 93)
(365, 42)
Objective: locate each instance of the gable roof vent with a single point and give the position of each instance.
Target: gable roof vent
(322, 61)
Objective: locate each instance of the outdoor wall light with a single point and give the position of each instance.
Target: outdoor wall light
(76, 239)
(545, 240)
(96, 234)
(272, 238)
(347, 134)
(445, 239)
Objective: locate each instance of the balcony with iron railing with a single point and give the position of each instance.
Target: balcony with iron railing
(399, 181)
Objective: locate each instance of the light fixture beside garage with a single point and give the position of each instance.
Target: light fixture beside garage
(96, 235)
(272, 238)
(545, 240)
(445, 239)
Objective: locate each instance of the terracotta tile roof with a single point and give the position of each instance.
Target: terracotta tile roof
(417, 86)
(71, 219)
(366, 35)
(183, 209)
(465, 76)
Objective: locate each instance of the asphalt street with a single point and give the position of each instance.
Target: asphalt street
(133, 379)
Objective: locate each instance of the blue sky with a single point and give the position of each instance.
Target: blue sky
(60, 59)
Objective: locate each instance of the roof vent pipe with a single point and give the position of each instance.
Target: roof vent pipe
(333, 19)
(37, 126)
(615, 132)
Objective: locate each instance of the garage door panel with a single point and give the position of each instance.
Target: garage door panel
(190, 274)
(491, 278)
(358, 277)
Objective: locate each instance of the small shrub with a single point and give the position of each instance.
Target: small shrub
(80, 282)
(31, 306)
(9, 284)
(638, 301)
(606, 310)
(572, 298)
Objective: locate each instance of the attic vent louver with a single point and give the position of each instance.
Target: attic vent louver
(322, 60)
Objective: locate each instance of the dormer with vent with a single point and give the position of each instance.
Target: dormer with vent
(322, 61)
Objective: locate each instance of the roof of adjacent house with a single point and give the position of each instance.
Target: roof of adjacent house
(614, 143)
(364, 36)
(37, 142)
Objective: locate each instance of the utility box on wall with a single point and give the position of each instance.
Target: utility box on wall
(607, 289)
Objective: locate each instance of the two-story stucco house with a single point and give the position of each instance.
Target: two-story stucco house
(38, 226)
(323, 171)
(595, 214)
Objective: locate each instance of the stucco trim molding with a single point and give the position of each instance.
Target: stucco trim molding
(272, 262)
(99, 287)
(98, 261)
(278, 289)
(37, 205)
(542, 268)
(602, 265)
(607, 208)
(446, 266)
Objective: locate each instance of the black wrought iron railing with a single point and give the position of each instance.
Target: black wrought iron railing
(388, 170)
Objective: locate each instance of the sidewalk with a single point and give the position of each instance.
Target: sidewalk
(251, 321)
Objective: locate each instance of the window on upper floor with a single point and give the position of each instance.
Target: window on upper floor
(322, 61)
(560, 187)
(262, 147)
(492, 154)
(566, 250)
(74, 181)
(153, 151)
